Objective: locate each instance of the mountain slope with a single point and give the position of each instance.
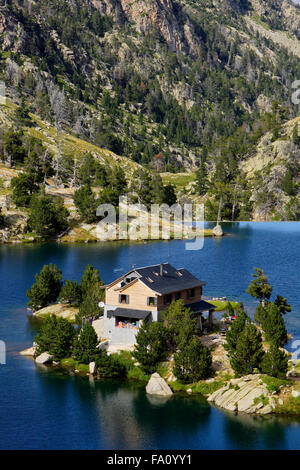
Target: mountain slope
(168, 84)
(162, 75)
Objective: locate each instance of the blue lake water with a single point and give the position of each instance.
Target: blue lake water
(43, 409)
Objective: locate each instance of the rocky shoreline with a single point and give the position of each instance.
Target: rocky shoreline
(255, 394)
(248, 394)
(15, 233)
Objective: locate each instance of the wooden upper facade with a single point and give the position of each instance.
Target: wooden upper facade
(153, 288)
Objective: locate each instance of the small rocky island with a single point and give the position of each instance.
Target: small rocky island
(239, 365)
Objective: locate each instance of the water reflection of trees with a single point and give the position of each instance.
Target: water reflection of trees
(254, 432)
(178, 413)
(129, 419)
(119, 415)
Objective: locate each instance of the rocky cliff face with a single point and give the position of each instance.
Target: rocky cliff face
(269, 169)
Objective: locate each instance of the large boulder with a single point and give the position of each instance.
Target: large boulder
(158, 386)
(217, 231)
(44, 358)
(92, 368)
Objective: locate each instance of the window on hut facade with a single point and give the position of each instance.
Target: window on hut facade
(123, 299)
(178, 295)
(167, 299)
(152, 301)
(190, 293)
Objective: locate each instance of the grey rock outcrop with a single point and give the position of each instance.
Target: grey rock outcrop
(158, 386)
(247, 394)
(29, 351)
(44, 358)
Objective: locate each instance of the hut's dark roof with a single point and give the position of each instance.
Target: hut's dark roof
(171, 280)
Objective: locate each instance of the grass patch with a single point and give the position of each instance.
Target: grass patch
(221, 304)
(261, 399)
(201, 387)
(273, 383)
(136, 373)
(70, 363)
(291, 406)
(178, 387)
(180, 180)
(207, 388)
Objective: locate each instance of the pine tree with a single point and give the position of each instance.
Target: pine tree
(201, 179)
(169, 195)
(23, 187)
(275, 362)
(88, 308)
(192, 362)
(56, 336)
(287, 183)
(46, 288)
(48, 218)
(249, 352)
(274, 327)
(63, 339)
(282, 304)
(91, 281)
(2, 219)
(46, 334)
(85, 345)
(13, 146)
(70, 293)
(259, 288)
(178, 320)
(151, 345)
(295, 135)
(86, 203)
(236, 328)
(260, 314)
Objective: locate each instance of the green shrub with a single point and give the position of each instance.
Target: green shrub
(291, 406)
(110, 366)
(261, 399)
(70, 363)
(125, 358)
(136, 373)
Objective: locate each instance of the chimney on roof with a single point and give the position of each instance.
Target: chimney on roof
(161, 269)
